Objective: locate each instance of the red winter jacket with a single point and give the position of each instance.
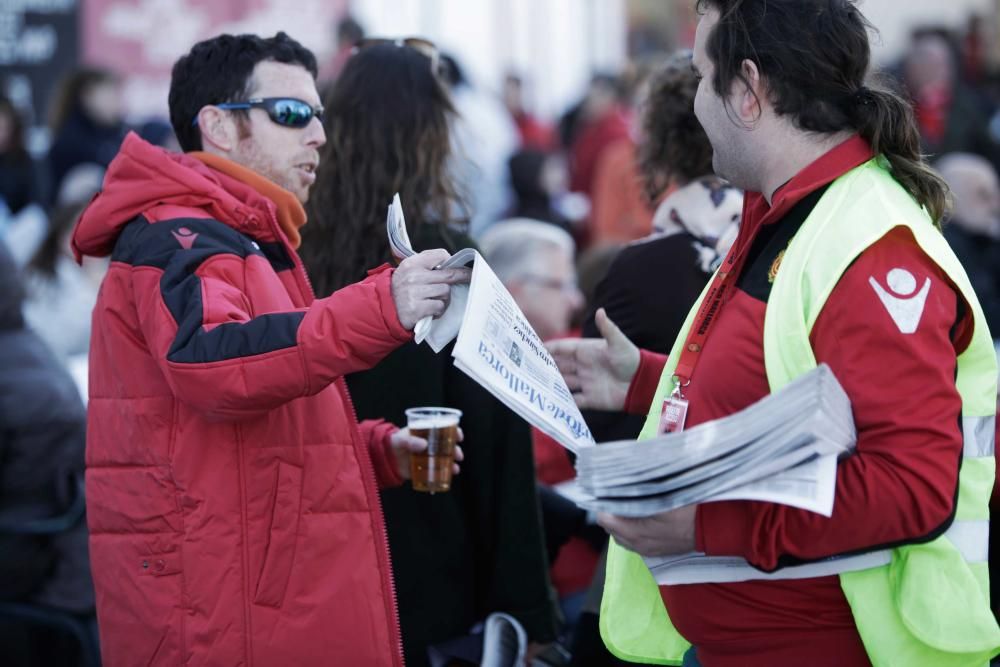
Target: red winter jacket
(231, 495)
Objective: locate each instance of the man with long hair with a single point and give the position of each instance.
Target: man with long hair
(839, 260)
(232, 495)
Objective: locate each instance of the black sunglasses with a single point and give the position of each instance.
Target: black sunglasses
(285, 111)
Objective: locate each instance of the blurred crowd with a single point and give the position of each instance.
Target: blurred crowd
(573, 213)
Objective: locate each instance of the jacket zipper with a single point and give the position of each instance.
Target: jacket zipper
(371, 488)
(245, 548)
(369, 480)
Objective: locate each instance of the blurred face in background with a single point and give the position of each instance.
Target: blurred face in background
(601, 99)
(102, 102)
(547, 292)
(929, 66)
(976, 193)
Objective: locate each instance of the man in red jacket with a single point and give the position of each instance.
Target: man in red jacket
(232, 496)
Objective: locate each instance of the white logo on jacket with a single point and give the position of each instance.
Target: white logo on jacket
(904, 305)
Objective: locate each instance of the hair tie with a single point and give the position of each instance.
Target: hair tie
(862, 96)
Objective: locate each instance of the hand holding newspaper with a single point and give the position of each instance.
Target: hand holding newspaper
(443, 330)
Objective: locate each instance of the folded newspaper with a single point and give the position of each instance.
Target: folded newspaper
(496, 346)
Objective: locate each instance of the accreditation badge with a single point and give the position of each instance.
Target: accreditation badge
(673, 413)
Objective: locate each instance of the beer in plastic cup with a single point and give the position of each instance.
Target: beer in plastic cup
(430, 470)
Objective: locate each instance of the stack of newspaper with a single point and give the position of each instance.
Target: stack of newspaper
(789, 440)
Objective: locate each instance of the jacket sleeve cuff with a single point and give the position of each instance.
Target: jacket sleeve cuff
(382, 278)
(378, 434)
(722, 529)
(643, 387)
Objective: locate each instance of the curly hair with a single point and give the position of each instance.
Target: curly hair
(674, 148)
(387, 126)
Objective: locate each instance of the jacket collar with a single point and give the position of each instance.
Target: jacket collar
(291, 216)
(143, 177)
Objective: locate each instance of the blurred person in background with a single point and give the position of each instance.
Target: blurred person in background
(42, 436)
(603, 120)
(539, 180)
(951, 117)
(484, 137)
(973, 227)
(460, 555)
(534, 260)
(19, 185)
(87, 122)
(23, 220)
(534, 133)
(621, 210)
(346, 35)
(61, 294)
(237, 519)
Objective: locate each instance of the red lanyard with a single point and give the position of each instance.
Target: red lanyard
(708, 314)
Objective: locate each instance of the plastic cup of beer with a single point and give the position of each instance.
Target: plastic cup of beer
(430, 470)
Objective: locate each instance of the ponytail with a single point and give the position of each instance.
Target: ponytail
(887, 122)
(814, 56)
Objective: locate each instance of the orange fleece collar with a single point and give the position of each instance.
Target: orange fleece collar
(291, 215)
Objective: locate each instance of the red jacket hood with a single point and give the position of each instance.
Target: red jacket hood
(143, 176)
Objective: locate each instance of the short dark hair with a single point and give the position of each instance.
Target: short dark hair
(813, 57)
(219, 70)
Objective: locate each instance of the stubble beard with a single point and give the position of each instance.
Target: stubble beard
(251, 155)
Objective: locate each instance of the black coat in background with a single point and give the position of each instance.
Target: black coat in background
(82, 141)
(647, 292)
(980, 257)
(19, 185)
(42, 435)
(458, 556)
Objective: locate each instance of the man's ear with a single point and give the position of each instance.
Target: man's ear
(751, 95)
(218, 129)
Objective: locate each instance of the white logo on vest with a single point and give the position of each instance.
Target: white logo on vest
(903, 305)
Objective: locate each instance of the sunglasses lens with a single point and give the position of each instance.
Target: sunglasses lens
(291, 113)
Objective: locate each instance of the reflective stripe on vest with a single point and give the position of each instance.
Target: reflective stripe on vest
(979, 434)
